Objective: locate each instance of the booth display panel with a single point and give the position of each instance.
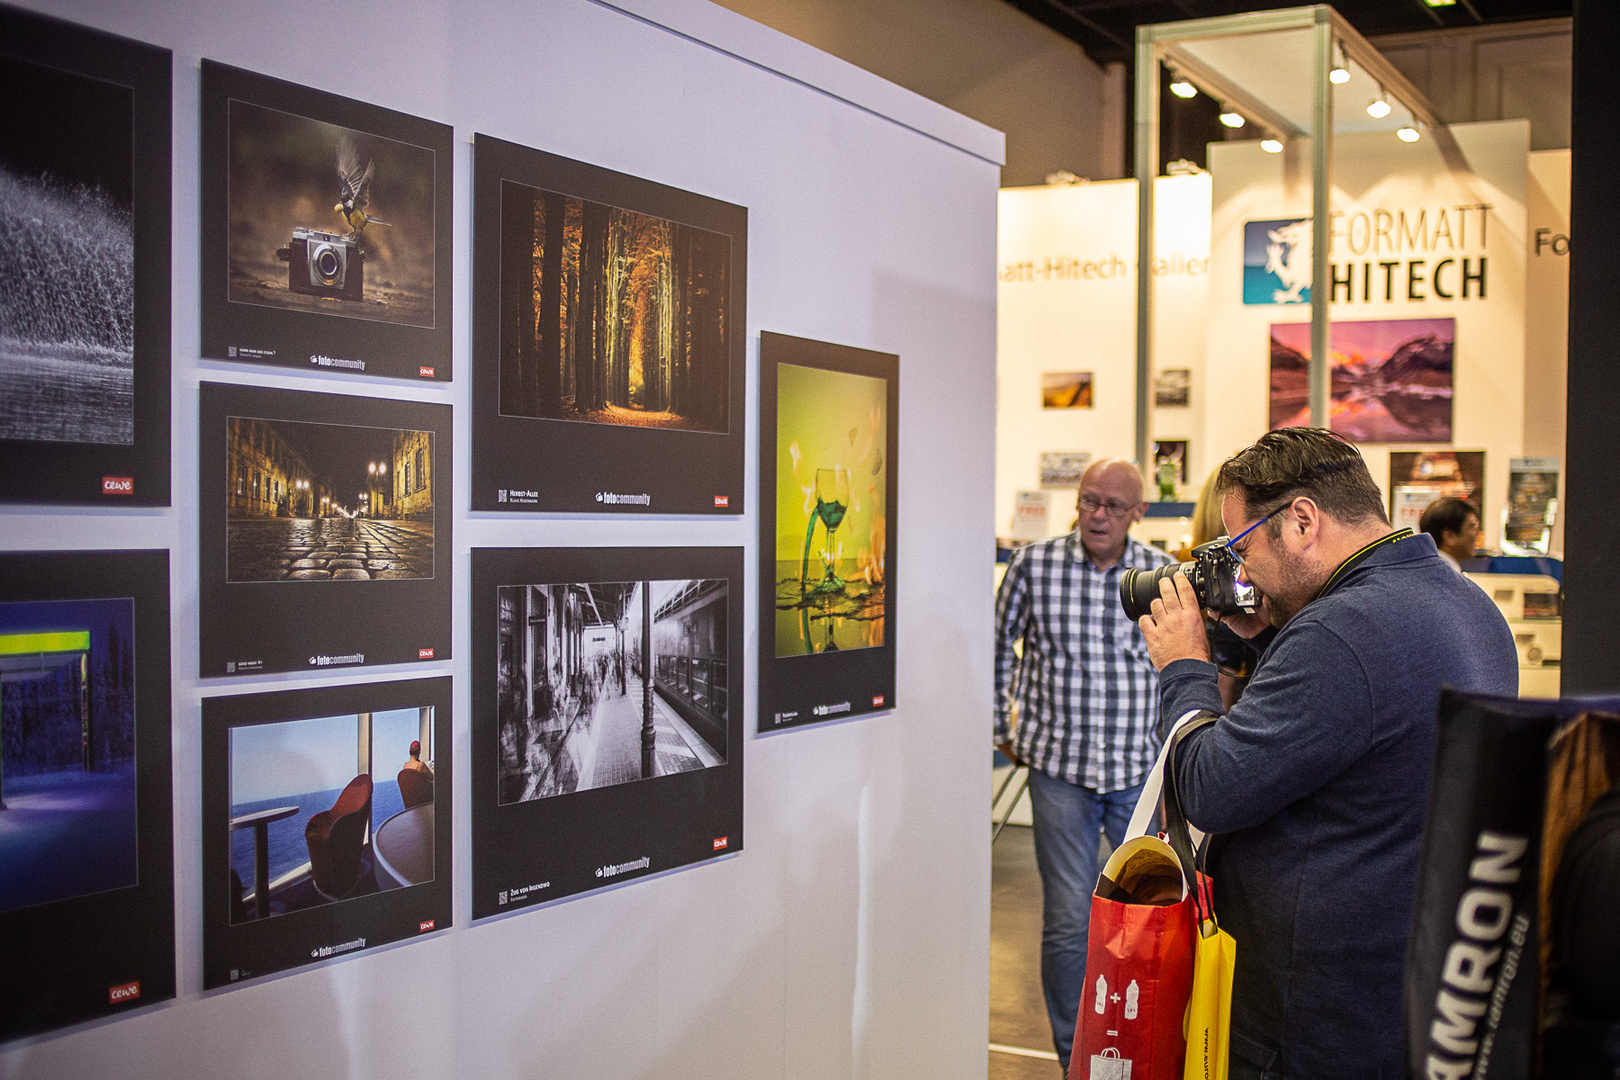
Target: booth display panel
(607, 340)
(86, 840)
(326, 823)
(326, 531)
(84, 312)
(325, 230)
(829, 483)
(585, 772)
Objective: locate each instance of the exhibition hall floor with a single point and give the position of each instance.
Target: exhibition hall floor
(1018, 1027)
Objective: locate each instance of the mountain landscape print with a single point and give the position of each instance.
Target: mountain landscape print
(1391, 379)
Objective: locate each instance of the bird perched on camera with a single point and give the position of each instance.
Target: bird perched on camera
(354, 188)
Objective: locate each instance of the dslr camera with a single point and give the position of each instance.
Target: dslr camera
(324, 264)
(1213, 574)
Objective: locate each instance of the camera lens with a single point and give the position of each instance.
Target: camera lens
(327, 264)
(1139, 588)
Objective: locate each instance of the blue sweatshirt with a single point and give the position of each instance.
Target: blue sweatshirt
(1317, 782)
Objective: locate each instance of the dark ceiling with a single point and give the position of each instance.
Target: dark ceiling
(1106, 29)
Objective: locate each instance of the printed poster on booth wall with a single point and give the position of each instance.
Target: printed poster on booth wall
(607, 722)
(829, 483)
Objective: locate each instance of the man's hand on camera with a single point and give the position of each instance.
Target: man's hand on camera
(1247, 627)
(1175, 629)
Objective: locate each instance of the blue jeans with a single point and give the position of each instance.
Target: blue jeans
(1067, 820)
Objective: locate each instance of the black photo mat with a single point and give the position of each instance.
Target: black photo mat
(325, 531)
(84, 309)
(826, 641)
(86, 836)
(348, 870)
(290, 276)
(558, 701)
(638, 408)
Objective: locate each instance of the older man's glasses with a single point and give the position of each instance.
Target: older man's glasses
(1090, 504)
(1231, 545)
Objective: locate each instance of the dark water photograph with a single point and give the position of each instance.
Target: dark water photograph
(67, 296)
(577, 709)
(327, 805)
(610, 316)
(329, 219)
(67, 750)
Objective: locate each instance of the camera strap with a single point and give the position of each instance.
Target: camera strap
(1357, 559)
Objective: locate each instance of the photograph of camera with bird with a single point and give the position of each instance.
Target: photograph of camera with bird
(329, 219)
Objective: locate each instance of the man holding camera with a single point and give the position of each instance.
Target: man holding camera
(1316, 780)
(1087, 703)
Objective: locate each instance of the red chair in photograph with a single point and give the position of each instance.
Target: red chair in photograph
(415, 787)
(336, 840)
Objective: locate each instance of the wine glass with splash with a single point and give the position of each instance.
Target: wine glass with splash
(832, 503)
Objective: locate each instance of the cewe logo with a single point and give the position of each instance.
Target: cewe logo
(424, 654)
(425, 372)
(722, 500)
(118, 485)
(877, 701)
(124, 992)
(720, 842)
(424, 926)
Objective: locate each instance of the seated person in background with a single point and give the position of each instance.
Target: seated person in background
(416, 761)
(1454, 524)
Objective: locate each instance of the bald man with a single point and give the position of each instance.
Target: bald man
(1085, 696)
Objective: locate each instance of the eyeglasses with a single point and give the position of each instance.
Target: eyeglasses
(1237, 555)
(1090, 504)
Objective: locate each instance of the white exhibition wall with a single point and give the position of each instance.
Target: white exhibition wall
(850, 938)
(1063, 309)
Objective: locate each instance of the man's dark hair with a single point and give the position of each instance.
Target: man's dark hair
(1294, 461)
(1446, 515)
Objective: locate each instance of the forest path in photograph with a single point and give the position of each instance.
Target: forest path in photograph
(321, 549)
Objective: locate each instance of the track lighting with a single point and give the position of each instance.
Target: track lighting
(1182, 88)
(1407, 134)
(1232, 119)
(1378, 108)
(1271, 146)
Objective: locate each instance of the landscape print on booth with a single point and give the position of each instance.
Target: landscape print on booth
(67, 296)
(329, 219)
(831, 510)
(575, 708)
(325, 502)
(610, 316)
(1391, 379)
(67, 750)
(315, 806)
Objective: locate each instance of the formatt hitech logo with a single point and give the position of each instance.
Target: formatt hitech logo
(1277, 261)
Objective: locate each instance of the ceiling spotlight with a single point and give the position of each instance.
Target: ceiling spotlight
(1407, 134)
(1339, 75)
(1378, 108)
(1182, 88)
(1232, 119)
(1440, 3)
(1271, 146)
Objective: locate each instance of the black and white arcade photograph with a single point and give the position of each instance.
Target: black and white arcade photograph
(828, 493)
(86, 874)
(84, 299)
(608, 339)
(327, 823)
(325, 230)
(607, 727)
(326, 523)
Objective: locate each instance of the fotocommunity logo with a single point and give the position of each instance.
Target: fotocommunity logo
(615, 869)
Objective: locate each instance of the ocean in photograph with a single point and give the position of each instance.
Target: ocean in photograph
(286, 837)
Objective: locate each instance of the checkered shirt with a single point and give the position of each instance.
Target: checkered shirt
(1084, 692)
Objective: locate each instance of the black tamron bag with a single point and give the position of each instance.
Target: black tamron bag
(1512, 780)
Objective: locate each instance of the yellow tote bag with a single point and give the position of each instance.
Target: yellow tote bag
(1209, 1012)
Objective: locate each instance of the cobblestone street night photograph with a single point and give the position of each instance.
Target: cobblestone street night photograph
(324, 502)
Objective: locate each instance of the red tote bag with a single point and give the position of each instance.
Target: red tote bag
(1139, 957)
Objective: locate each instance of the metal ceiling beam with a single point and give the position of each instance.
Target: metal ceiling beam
(1224, 90)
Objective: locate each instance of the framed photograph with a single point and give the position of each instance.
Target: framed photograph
(1420, 477)
(1066, 390)
(325, 230)
(607, 726)
(1172, 388)
(1170, 460)
(608, 323)
(84, 299)
(1063, 468)
(1392, 379)
(828, 492)
(86, 806)
(325, 531)
(326, 823)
